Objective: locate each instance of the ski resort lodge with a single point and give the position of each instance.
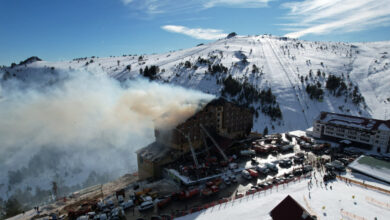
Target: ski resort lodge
(218, 121)
(364, 132)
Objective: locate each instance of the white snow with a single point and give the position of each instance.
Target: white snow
(281, 64)
(342, 201)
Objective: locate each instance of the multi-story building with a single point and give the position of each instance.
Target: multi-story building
(366, 132)
(219, 118)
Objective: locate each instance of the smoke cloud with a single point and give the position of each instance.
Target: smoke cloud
(86, 122)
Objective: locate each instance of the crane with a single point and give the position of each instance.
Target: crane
(192, 149)
(214, 142)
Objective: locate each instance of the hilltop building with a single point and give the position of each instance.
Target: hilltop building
(364, 132)
(219, 118)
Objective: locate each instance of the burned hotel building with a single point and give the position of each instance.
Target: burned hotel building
(218, 118)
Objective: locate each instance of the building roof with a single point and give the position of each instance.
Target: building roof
(354, 121)
(290, 209)
(154, 151)
(370, 166)
(221, 101)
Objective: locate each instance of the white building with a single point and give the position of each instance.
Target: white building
(362, 131)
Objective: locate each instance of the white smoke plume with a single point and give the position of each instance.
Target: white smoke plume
(86, 122)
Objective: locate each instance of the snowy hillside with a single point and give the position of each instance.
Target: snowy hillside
(287, 82)
(264, 62)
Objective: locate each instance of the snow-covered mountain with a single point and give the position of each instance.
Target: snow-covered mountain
(286, 81)
(264, 62)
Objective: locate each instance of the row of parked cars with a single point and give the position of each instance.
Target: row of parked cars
(281, 179)
(271, 168)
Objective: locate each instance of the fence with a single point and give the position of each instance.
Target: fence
(238, 198)
(363, 184)
(312, 212)
(378, 203)
(351, 215)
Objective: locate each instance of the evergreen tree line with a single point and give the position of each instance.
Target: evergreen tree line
(217, 68)
(336, 86)
(247, 95)
(150, 72)
(315, 91)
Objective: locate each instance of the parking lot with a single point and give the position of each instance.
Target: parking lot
(256, 165)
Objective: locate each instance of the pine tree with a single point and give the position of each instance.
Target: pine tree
(265, 131)
(12, 208)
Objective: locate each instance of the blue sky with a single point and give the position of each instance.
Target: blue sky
(66, 29)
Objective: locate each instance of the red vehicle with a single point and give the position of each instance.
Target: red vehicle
(164, 201)
(261, 149)
(207, 192)
(189, 193)
(306, 139)
(210, 190)
(253, 173)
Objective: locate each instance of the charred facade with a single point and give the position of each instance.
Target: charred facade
(219, 117)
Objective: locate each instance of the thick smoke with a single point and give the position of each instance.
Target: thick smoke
(84, 123)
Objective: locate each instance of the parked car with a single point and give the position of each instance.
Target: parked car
(253, 173)
(110, 203)
(298, 160)
(285, 163)
(339, 166)
(226, 179)
(83, 217)
(329, 176)
(307, 168)
(120, 199)
(329, 166)
(298, 172)
(285, 148)
(245, 174)
(248, 152)
(128, 204)
(263, 170)
(145, 206)
(100, 217)
(272, 167)
(118, 211)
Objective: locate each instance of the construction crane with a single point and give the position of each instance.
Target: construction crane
(192, 149)
(205, 143)
(214, 142)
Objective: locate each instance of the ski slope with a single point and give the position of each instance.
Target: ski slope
(282, 61)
